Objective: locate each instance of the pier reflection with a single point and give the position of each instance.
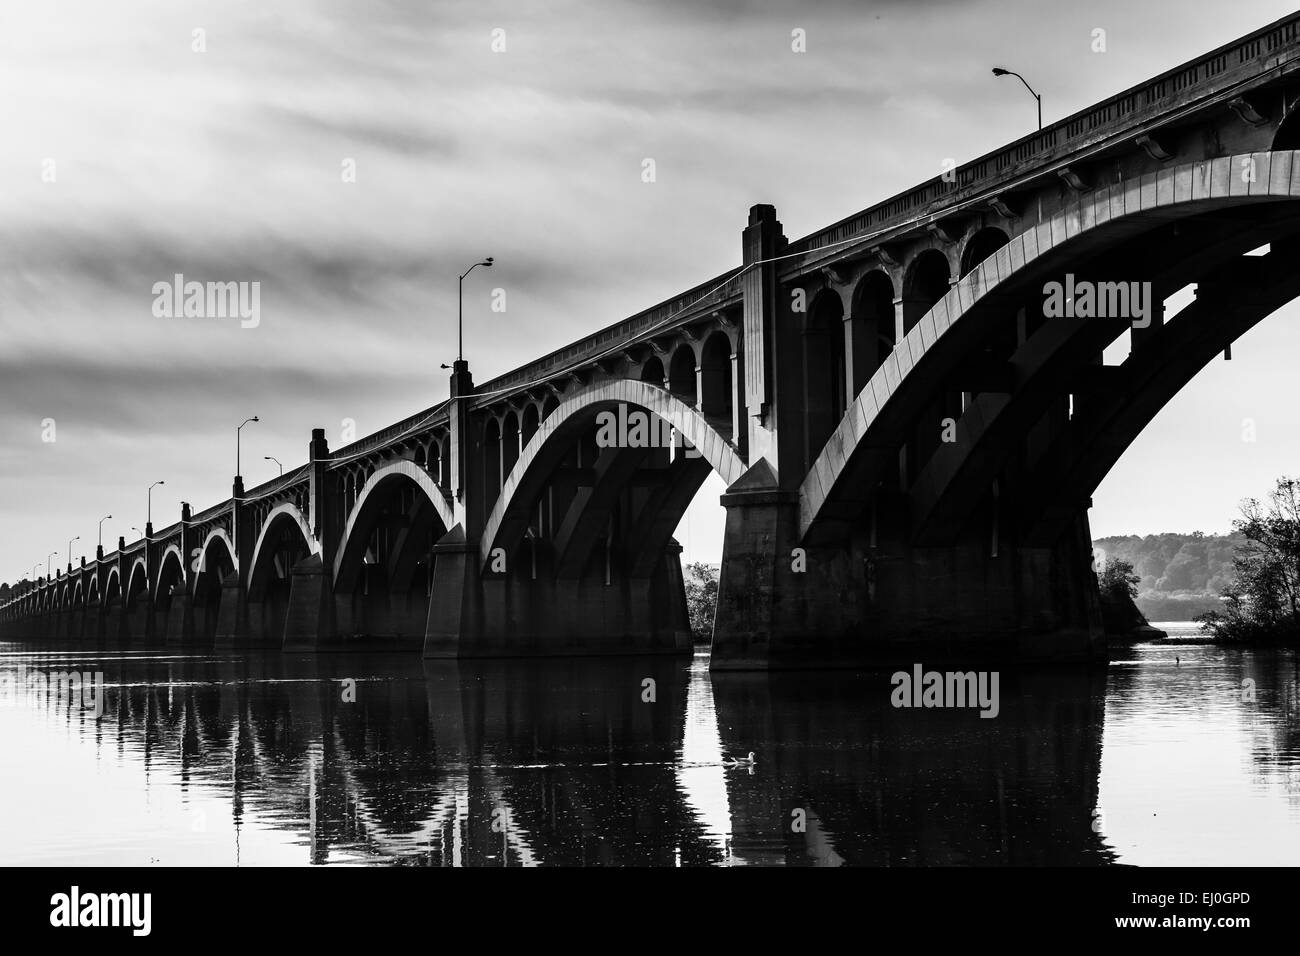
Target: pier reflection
(617, 762)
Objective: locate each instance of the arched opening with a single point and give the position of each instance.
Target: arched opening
(137, 586)
(492, 475)
(509, 443)
(282, 544)
(384, 573)
(927, 282)
(870, 331)
(681, 374)
(823, 372)
(171, 579)
(653, 371)
(136, 606)
(216, 564)
(980, 246)
(532, 418)
(715, 364)
(598, 521)
(1288, 132)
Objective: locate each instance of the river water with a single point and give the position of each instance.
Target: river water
(1174, 754)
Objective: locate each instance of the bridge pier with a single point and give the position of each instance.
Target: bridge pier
(309, 622)
(782, 605)
(477, 614)
(179, 626)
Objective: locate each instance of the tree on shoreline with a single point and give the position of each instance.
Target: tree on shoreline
(1262, 604)
(701, 598)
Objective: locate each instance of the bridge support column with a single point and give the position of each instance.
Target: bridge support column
(232, 614)
(309, 622)
(180, 618)
(773, 602)
(455, 615)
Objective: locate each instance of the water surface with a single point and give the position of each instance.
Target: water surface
(213, 759)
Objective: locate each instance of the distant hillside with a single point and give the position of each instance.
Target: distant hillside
(1182, 574)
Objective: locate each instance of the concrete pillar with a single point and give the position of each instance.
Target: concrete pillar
(179, 629)
(762, 240)
(759, 598)
(310, 620)
(232, 610)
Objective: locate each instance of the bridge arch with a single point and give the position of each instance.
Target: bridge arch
(926, 281)
(681, 373)
(980, 246)
(171, 571)
(822, 370)
(382, 573)
(137, 582)
(217, 562)
(553, 443)
(1287, 136)
(718, 395)
(652, 370)
(284, 539)
(112, 584)
(960, 319)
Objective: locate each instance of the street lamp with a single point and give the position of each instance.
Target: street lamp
(77, 538)
(237, 431)
(998, 71)
(148, 517)
(47, 564)
(101, 530)
(276, 460)
(460, 307)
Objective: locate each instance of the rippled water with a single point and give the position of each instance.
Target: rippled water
(214, 759)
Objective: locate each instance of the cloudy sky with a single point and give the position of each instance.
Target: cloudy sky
(128, 155)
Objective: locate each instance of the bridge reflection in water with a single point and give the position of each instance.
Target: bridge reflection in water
(563, 762)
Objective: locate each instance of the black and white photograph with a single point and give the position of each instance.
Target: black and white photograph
(644, 437)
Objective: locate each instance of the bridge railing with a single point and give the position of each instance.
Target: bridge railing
(1198, 79)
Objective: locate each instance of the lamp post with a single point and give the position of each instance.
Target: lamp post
(148, 517)
(52, 554)
(276, 460)
(998, 71)
(460, 307)
(237, 431)
(77, 538)
(101, 532)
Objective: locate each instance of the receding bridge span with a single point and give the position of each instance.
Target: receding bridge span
(908, 428)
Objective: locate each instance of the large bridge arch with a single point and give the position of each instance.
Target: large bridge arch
(509, 519)
(866, 440)
(137, 582)
(217, 563)
(171, 571)
(284, 539)
(382, 573)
